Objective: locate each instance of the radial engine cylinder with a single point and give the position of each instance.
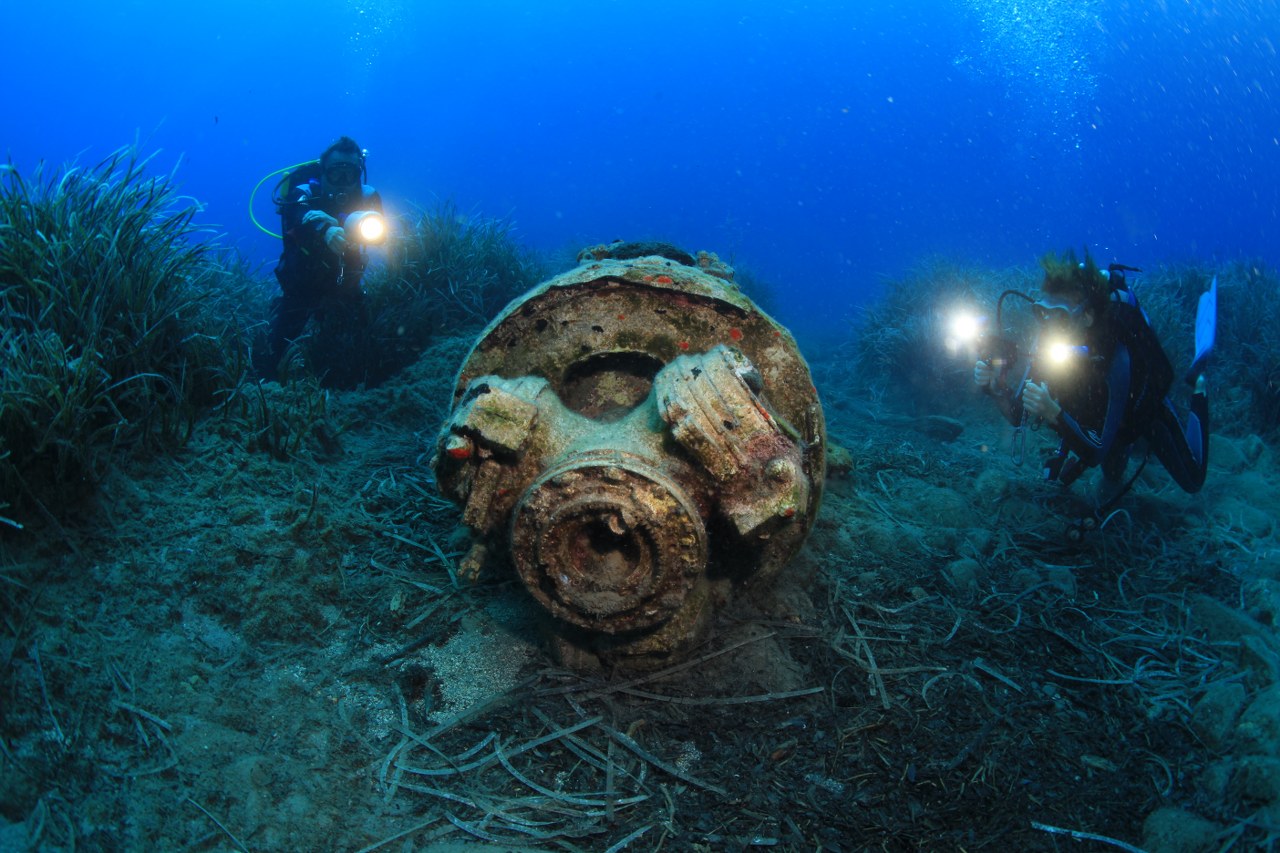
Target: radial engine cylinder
(641, 442)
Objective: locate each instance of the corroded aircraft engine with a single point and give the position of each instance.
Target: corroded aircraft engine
(641, 442)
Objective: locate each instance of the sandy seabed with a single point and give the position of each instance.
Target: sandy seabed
(228, 650)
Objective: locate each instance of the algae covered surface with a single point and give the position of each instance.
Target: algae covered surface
(234, 649)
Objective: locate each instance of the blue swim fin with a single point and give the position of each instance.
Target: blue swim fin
(1206, 329)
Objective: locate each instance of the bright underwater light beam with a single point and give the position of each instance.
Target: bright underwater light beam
(965, 327)
(368, 227)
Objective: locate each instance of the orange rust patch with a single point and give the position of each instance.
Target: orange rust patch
(683, 345)
(663, 279)
(622, 316)
(462, 451)
(735, 333)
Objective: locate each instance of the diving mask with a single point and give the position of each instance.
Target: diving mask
(342, 174)
(1051, 311)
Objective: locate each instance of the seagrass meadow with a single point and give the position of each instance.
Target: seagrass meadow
(230, 616)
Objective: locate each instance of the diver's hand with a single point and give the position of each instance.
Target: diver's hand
(318, 220)
(984, 375)
(336, 239)
(1038, 403)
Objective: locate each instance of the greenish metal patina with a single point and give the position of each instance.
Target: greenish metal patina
(640, 442)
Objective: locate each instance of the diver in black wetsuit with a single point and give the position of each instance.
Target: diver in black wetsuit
(1099, 378)
(320, 264)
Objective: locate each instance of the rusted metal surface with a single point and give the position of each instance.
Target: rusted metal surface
(639, 441)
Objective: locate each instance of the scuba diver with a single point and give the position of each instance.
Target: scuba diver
(1099, 378)
(328, 216)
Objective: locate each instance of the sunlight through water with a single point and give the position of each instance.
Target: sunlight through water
(1041, 53)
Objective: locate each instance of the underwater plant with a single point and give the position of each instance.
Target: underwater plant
(470, 266)
(109, 337)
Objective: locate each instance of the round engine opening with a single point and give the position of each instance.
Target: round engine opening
(605, 386)
(610, 546)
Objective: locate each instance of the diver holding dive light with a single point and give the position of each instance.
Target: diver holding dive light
(1099, 378)
(328, 216)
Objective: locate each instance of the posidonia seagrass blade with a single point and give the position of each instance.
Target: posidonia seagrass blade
(119, 319)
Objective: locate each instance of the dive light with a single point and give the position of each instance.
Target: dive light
(1061, 352)
(367, 227)
(966, 327)
(968, 330)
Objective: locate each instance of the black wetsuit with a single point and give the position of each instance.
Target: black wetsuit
(1115, 396)
(312, 277)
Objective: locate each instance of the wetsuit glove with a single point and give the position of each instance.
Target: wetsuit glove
(984, 374)
(318, 220)
(336, 239)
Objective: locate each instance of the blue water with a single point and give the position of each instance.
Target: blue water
(822, 145)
